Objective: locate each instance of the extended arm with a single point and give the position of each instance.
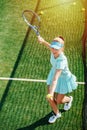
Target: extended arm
(42, 41)
(54, 83)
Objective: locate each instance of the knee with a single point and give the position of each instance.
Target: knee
(59, 101)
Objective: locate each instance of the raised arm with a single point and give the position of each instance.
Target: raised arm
(42, 41)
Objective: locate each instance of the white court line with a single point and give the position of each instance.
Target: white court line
(29, 80)
(22, 79)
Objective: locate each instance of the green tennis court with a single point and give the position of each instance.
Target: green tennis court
(23, 104)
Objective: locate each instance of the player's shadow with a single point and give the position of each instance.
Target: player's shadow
(41, 122)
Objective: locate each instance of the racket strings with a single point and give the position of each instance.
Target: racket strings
(32, 19)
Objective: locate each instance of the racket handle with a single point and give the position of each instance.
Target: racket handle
(38, 36)
(37, 33)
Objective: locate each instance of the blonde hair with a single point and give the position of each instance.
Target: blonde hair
(59, 39)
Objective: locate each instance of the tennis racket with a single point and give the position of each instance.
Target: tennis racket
(32, 20)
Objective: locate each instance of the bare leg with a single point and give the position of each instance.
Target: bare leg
(61, 99)
(53, 103)
(58, 99)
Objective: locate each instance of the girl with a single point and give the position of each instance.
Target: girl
(60, 80)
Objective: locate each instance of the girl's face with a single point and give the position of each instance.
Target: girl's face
(56, 52)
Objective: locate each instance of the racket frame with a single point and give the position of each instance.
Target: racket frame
(35, 28)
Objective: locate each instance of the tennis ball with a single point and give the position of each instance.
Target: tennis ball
(41, 13)
(49, 96)
(83, 9)
(74, 3)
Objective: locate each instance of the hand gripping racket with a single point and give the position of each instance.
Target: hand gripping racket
(32, 20)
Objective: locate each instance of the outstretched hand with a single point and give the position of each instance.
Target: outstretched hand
(40, 39)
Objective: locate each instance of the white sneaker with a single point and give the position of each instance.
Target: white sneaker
(67, 106)
(53, 118)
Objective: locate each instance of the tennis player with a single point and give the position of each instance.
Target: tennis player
(60, 80)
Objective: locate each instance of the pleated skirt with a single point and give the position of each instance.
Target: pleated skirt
(66, 82)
